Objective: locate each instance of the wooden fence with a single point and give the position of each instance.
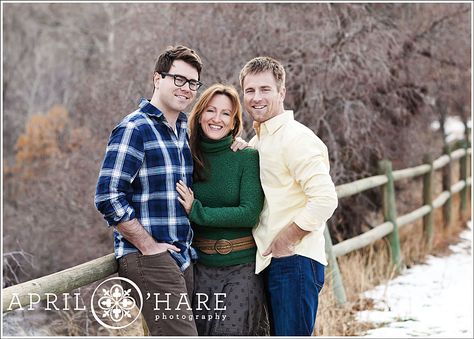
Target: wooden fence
(392, 223)
(82, 275)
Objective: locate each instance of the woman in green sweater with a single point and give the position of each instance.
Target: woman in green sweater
(224, 206)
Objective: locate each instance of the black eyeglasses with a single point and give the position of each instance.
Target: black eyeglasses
(180, 81)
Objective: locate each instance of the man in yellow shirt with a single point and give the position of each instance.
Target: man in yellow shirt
(299, 198)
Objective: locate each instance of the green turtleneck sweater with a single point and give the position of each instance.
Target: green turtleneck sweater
(228, 204)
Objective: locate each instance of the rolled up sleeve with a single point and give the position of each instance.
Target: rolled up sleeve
(122, 162)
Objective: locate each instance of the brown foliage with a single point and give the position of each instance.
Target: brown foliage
(49, 196)
(42, 137)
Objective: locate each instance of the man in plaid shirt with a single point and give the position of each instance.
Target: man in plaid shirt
(147, 154)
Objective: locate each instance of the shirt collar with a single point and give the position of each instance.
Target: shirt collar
(147, 107)
(272, 125)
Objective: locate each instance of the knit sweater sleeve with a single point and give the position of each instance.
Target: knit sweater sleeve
(251, 200)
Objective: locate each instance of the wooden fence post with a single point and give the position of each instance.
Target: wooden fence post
(390, 212)
(428, 200)
(463, 176)
(467, 135)
(447, 208)
(337, 284)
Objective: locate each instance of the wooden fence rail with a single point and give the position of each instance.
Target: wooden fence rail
(84, 274)
(59, 282)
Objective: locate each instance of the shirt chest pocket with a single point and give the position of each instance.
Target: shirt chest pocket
(273, 169)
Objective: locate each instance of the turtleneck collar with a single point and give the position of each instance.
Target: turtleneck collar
(214, 146)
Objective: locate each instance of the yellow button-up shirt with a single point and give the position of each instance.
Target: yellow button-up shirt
(294, 172)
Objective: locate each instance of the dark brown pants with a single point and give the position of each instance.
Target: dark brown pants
(160, 279)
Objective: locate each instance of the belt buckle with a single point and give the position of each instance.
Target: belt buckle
(223, 242)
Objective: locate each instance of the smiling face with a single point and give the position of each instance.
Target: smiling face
(216, 120)
(168, 97)
(262, 98)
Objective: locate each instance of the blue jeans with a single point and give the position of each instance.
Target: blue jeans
(293, 284)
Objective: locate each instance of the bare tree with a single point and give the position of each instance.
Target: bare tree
(360, 75)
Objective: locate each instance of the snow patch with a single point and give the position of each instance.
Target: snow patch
(454, 128)
(430, 300)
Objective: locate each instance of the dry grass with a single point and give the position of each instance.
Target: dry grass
(80, 323)
(73, 322)
(361, 270)
(368, 267)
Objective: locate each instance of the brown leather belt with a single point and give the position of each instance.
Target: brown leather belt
(224, 246)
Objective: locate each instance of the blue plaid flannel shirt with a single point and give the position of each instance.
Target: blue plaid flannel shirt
(143, 161)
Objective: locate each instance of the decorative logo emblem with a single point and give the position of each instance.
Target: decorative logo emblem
(112, 306)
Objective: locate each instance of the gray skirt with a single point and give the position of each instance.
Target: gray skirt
(236, 302)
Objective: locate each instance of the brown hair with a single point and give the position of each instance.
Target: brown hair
(195, 131)
(188, 55)
(263, 64)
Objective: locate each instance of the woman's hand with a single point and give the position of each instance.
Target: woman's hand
(186, 197)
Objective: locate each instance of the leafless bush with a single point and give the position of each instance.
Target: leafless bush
(16, 266)
(367, 78)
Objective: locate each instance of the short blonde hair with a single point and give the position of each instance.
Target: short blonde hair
(263, 64)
